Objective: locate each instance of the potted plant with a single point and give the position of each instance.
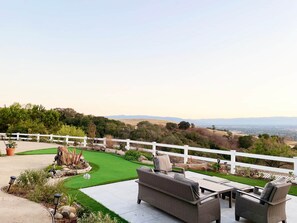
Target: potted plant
(10, 148)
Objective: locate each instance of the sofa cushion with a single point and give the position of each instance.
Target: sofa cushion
(162, 163)
(147, 169)
(269, 187)
(194, 185)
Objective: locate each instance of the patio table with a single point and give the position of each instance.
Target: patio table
(238, 186)
(215, 187)
(218, 180)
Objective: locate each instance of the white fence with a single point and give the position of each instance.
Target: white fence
(154, 149)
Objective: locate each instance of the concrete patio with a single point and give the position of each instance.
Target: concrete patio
(121, 199)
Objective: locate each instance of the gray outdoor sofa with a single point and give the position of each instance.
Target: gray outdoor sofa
(176, 197)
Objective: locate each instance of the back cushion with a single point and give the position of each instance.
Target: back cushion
(194, 185)
(265, 195)
(162, 163)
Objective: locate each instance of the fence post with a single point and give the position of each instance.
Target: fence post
(295, 165)
(38, 137)
(104, 142)
(127, 147)
(85, 141)
(186, 153)
(233, 161)
(154, 148)
(51, 138)
(18, 136)
(67, 139)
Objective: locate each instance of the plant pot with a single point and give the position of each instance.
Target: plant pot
(10, 151)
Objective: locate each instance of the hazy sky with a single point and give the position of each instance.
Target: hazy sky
(190, 59)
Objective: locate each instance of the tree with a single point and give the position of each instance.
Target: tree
(184, 125)
(171, 126)
(245, 141)
(71, 131)
(91, 130)
(272, 147)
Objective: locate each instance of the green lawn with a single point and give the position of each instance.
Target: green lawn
(106, 168)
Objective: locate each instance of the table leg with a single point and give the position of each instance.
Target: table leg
(230, 199)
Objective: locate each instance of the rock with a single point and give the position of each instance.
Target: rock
(72, 215)
(65, 213)
(110, 150)
(68, 209)
(141, 158)
(121, 152)
(181, 165)
(202, 166)
(59, 173)
(58, 215)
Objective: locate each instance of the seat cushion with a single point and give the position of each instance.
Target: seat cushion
(162, 163)
(194, 185)
(269, 187)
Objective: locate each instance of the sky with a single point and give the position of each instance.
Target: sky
(188, 59)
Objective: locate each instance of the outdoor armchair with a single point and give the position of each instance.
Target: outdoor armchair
(255, 208)
(162, 164)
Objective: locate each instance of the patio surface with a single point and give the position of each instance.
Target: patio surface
(121, 198)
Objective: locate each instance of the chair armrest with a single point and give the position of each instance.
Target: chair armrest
(251, 195)
(257, 190)
(215, 195)
(262, 200)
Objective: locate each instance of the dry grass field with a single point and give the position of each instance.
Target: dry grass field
(134, 122)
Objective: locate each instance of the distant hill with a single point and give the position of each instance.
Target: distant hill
(260, 121)
(136, 121)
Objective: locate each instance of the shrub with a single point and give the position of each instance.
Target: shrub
(96, 218)
(148, 155)
(45, 193)
(70, 199)
(132, 155)
(31, 178)
(50, 167)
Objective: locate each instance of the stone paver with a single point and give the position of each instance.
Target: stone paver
(121, 198)
(14, 209)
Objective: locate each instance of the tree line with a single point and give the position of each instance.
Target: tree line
(66, 121)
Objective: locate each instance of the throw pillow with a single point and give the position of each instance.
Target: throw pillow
(269, 187)
(194, 185)
(162, 163)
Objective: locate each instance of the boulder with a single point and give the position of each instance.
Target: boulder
(120, 152)
(110, 150)
(59, 173)
(202, 166)
(72, 215)
(65, 214)
(141, 158)
(67, 209)
(58, 216)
